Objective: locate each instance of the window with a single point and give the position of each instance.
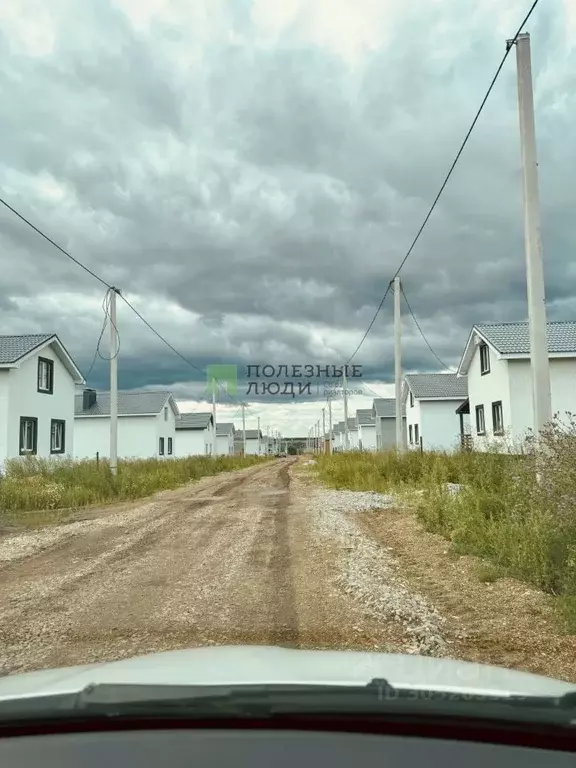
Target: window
(57, 436)
(169, 446)
(161, 447)
(28, 435)
(484, 359)
(497, 418)
(410, 434)
(45, 375)
(480, 425)
(411, 400)
(416, 434)
(166, 414)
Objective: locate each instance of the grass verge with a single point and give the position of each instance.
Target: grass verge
(518, 513)
(35, 491)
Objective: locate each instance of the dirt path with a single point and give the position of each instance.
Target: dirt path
(230, 559)
(259, 556)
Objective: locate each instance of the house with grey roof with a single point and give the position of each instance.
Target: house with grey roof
(366, 423)
(224, 438)
(384, 411)
(255, 443)
(195, 434)
(496, 361)
(338, 437)
(431, 401)
(38, 381)
(146, 424)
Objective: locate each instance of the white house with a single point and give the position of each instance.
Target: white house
(352, 434)
(194, 434)
(496, 361)
(338, 437)
(384, 410)
(224, 438)
(431, 401)
(365, 420)
(146, 424)
(254, 442)
(38, 381)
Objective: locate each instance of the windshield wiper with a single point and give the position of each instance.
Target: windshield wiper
(271, 700)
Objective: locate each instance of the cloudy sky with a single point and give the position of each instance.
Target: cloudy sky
(250, 173)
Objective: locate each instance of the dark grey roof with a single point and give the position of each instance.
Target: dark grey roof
(224, 428)
(386, 407)
(194, 420)
(514, 338)
(431, 385)
(129, 404)
(252, 434)
(352, 423)
(12, 348)
(365, 417)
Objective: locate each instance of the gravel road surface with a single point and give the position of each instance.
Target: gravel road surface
(253, 556)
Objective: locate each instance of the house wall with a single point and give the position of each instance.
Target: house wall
(137, 436)
(23, 399)
(166, 427)
(386, 433)
(252, 446)
(224, 445)
(484, 390)
(4, 396)
(367, 436)
(413, 417)
(192, 442)
(440, 424)
(562, 386)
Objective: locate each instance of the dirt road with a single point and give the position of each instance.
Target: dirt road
(230, 559)
(260, 556)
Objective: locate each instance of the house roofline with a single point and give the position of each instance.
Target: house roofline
(471, 345)
(62, 354)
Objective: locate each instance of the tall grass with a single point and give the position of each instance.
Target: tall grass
(518, 512)
(31, 483)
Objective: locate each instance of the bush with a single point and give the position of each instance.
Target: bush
(31, 483)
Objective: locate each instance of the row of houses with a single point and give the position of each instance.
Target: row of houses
(486, 403)
(46, 410)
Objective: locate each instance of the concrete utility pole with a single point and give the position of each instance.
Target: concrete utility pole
(244, 429)
(539, 361)
(258, 435)
(329, 425)
(323, 430)
(346, 435)
(398, 364)
(113, 383)
(214, 417)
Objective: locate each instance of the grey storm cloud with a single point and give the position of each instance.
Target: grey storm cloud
(279, 183)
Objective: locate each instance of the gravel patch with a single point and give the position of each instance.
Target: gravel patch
(371, 574)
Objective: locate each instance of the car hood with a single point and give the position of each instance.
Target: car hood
(257, 665)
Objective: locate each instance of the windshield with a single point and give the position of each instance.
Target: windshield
(288, 342)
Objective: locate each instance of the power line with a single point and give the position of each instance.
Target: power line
(59, 247)
(417, 324)
(110, 288)
(450, 170)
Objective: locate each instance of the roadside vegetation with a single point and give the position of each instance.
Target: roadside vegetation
(54, 485)
(516, 512)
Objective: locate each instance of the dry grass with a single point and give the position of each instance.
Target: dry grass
(38, 491)
(522, 527)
